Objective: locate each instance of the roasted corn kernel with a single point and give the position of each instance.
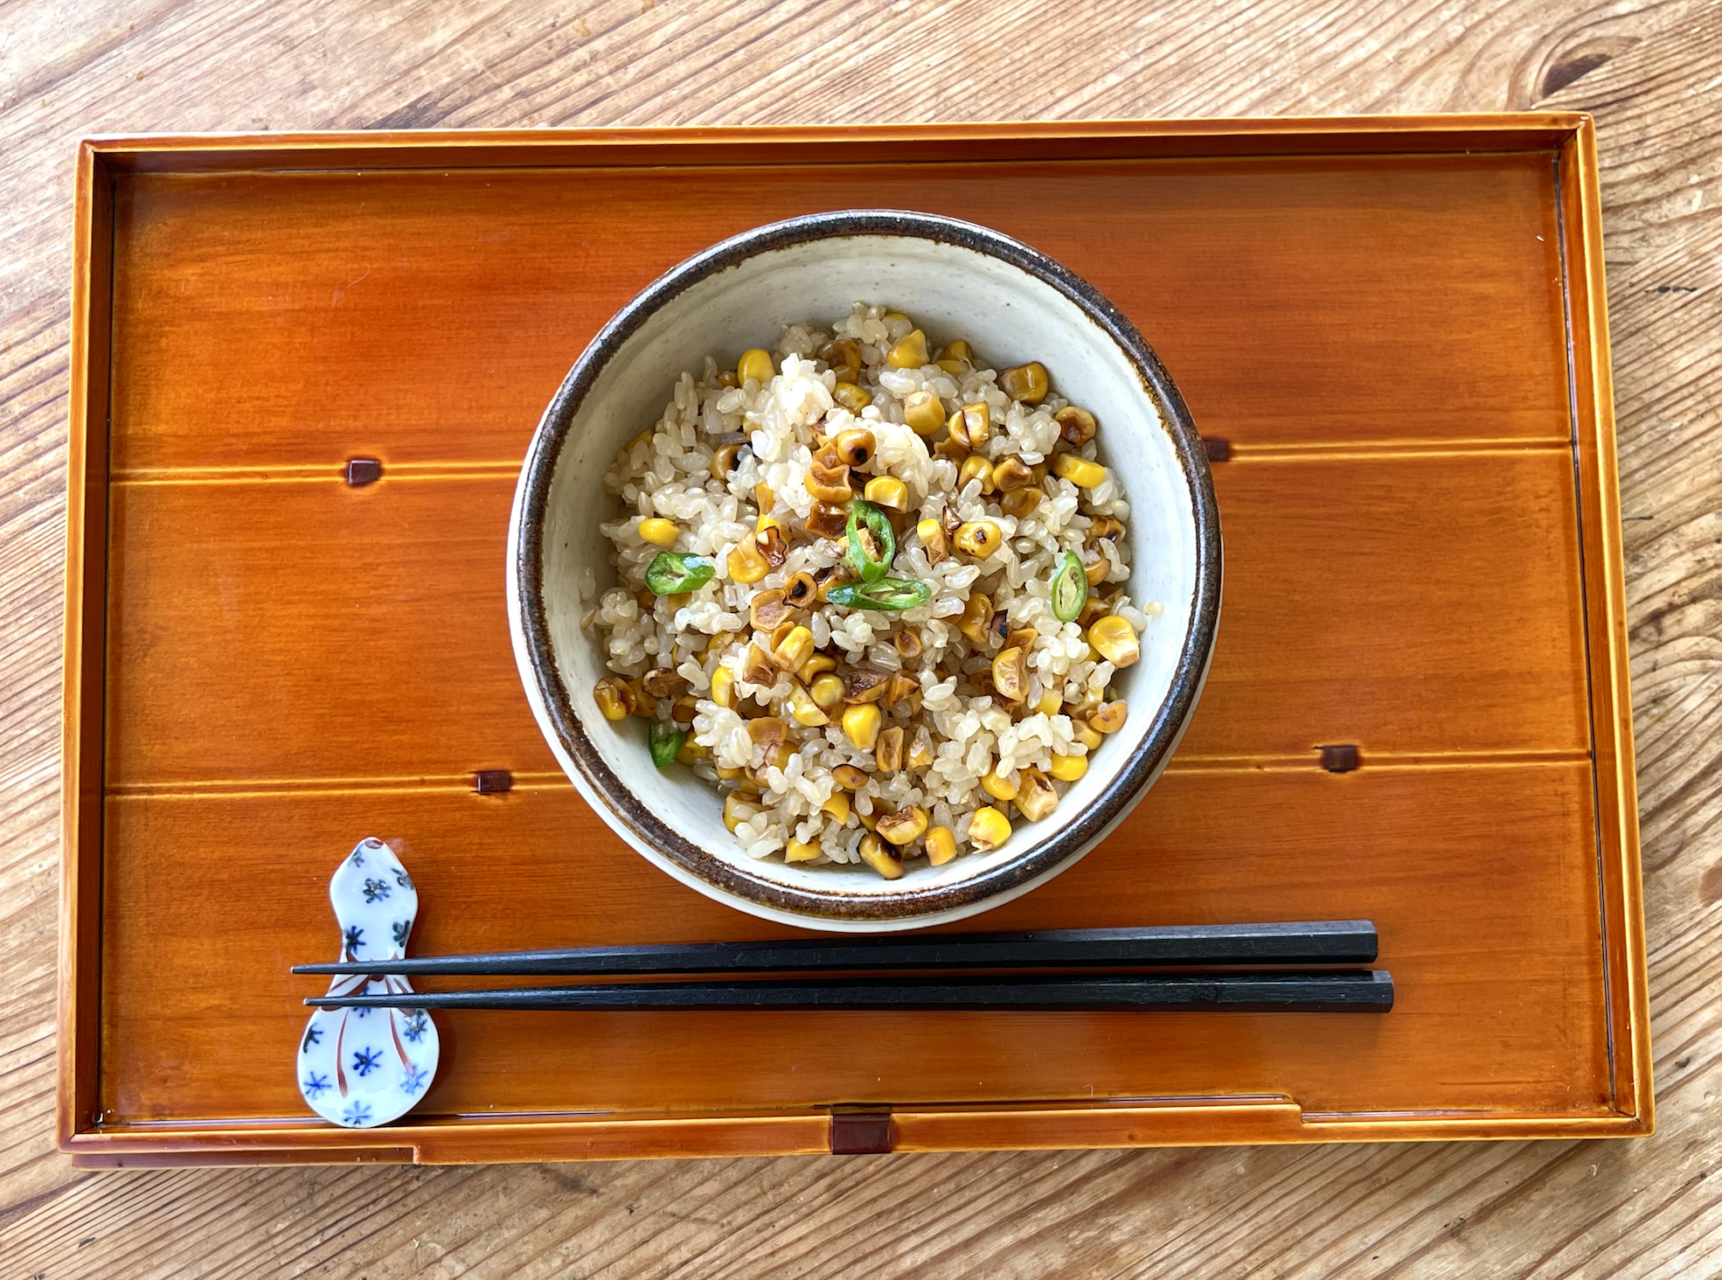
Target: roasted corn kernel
(904, 826)
(1075, 425)
(801, 851)
(1109, 717)
(924, 412)
(614, 698)
(933, 539)
(723, 687)
(723, 461)
(747, 562)
(1025, 382)
(888, 754)
(920, 753)
(975, 467)
(884, 859)
(1079, 471)
(941, 846)
(737, 807)
(755, 364)
(1010, 674)
(855, 446)
(861, 725)
(793, 648)
(998, 786)
(1018, 503)
(1115, 640)
(837, 805)
(826, 691)
(1085, 733)
(815, 667)
(988, 829)
(805, 709)
(976, 618)
(971, 425)
(979, 538)
(888, 492)
(1049, 702)
(659, 532)
(849, 777)
(910, 352)
(1068, 768)
(1038, 797)
(851, 397)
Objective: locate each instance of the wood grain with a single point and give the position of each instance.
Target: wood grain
(1650, 72)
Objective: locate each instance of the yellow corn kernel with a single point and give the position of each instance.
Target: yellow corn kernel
(910, 353)
(1050, 702)
(837, 806)
(805, 710)
(956, 368)
(1079, 471)
(1025, 382)
(959, 350)
(1109, 717)
(852, 397)
(941, 846)
(763, 497)
(614, 698)
(849, 777)
(1085, 733)
(920, 753)
(755, 364)
(746, 562)
(1115, 640)
(861, 725)
(924, 412)
(976, 617)
(979, 538)
(932, 536)
(988, 829)
(976, 467)
(972, 424)
(887, 491)
(1038, 797)
(691, 751)
(733, 804)
(659, 532)
(728, 772)
(723, 687)
(998, 788)
(888, 752)
(826, 690)
(1068, 768)
(801, 851)
(769, 522)
(904, 826)
(815, 667)
(882, 858)
(794, 649)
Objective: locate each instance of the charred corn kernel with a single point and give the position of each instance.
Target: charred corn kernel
(959, 350)
(1018, 503)
(932, 537)
(801, 851)
(659, 532)
(904, 826)
(1025, 382)
(1038, 797)
(747, 562)
(849, 777)
(723, 461)
(1075, 425)
(614, 698)
(882, 858)
(755, 364)
(767, 730)
(1010, 674)
(826, 691)
(972, 424)
(837, 806)
(855, 446)
(941, 846)
(805, 710)
(1085, 733)
(1079, 471)
(1012, 473)
(851, 397)
(976, 617)
(815, 667)
(988, 829)
(723, 687)
(976, 467)
(910, 353)
(1068, 768)
(1109, 717)
(979, 538)
(888, 754)
(924, 412)
(768, 522)
(793, 649)
(1096, 572)
(861, 725)
(888, 492)
(736, 807)
(1115, 640)
(1050, 702)
(800, 591)
(999, 788)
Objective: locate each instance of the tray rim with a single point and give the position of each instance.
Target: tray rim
(1570, 138)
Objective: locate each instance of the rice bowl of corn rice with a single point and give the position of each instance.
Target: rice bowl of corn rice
(865, 570)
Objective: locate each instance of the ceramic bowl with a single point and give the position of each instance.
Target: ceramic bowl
(955, 279)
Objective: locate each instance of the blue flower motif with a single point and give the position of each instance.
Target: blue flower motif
(414, 1027)
(352, 940)
(376, 890)
(366, 1061)
(313, 1035)
(402, 878)
(358, 1113)
(358, 858)
(314, 1085)
(402, 928)
(363, 1011)
(414, 1080)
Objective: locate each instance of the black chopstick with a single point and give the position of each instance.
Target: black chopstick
(1302, 942)
(1354, 991)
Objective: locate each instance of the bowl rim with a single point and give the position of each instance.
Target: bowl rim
(910, 904)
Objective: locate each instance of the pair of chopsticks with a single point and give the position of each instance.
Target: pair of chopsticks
(1236, 987)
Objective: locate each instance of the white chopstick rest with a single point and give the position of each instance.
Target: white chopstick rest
(360, 1068)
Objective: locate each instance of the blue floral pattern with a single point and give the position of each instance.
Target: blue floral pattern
(401, 929)
(356, 1114)
(366, 1061)
(314, 1085)
(414, 1027)
(414, 1080)
(353, 939)
(313, 1035)
(376, 890)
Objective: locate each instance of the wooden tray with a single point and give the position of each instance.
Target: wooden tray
(1396, 328)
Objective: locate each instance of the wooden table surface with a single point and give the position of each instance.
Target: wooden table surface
(1652, 75)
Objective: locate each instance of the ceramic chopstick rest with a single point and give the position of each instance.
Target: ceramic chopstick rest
(364, 1067)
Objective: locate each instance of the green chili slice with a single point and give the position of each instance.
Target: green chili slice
(1069, 588)
(870, 555)
(890, 594)
(665, 741)
(673, 572)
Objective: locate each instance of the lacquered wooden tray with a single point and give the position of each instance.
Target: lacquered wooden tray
(1391, 329)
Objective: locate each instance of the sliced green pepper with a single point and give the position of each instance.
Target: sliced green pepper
(870, 555)
(665, 740)
(891, 594)
(673, 572)
(1069, 588)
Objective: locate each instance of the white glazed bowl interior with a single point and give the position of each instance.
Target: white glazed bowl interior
(1009, 316)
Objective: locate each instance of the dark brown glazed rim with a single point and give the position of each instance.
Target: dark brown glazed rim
(838, 904)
